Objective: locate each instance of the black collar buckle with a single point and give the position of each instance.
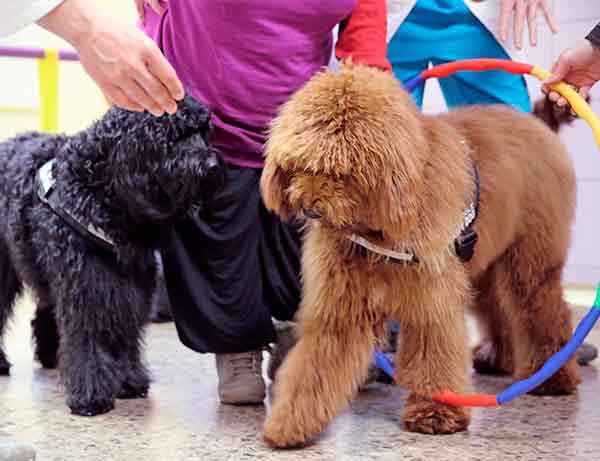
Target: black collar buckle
(465, 243)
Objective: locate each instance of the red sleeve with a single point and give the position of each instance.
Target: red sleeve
(363, 36)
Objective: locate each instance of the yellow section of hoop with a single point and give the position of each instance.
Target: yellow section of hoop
(48, 83)
(578, 104)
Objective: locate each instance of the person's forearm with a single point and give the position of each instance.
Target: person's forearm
(594, 36)
(71, 20)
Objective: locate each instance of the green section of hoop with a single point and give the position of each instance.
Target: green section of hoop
(597, 302)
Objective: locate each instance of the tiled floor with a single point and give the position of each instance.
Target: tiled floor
(182, 419)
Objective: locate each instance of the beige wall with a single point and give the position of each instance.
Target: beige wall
(80, 100)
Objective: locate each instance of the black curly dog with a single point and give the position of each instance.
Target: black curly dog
(129, 175)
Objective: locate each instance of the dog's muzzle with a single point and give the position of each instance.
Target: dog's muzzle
(214, 176)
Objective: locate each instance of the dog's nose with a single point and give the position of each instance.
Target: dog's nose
(213, 165)
(215, 174)
(311, 214)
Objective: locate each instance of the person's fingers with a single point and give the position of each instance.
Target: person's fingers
(532, 23)
(157, 91)
(164, 72)
(139, 6)
(549, 15)
(584, 91)
(553, 96)
(115, 95)
(519, 22)
(505, 11)
(559, 70)
(562, 102)
(142, 96)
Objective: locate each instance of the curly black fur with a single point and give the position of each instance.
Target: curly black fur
(553, 115)
(131, 175)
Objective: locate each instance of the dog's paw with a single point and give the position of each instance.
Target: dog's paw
(285, 428)
(563, 382)
(489, 360)
(283, 437)
(430, 417)
(92, 408)
(129, 391)
(4, 365)
(49, 362)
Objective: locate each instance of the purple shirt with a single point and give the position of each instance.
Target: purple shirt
(244, 58)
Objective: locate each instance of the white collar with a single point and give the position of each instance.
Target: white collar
(399, 256)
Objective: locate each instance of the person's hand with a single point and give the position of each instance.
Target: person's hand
(126, 64)
(579, 66)
(156, 5)
(521, 11)
(130, 69)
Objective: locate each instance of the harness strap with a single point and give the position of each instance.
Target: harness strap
(46, 191)
(464, 244)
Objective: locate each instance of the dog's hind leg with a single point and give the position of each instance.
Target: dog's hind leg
(45, 334)
(10, 288)
(494, 353)
(541, 320)
(320, 374)
(135, 382)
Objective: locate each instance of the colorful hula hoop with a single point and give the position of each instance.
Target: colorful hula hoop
(578, 104)
(519, 388)
(554, 363)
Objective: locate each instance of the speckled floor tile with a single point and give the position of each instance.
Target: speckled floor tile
(182, 418)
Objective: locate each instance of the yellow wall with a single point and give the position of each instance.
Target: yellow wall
(80, 100)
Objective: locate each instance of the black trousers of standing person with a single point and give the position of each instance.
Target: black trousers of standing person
(230, 267)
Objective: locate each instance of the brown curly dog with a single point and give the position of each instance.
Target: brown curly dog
(352, 152)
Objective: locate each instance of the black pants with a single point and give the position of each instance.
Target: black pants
(230, 267)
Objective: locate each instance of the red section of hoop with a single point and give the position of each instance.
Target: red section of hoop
(443, 70)
(472, 400)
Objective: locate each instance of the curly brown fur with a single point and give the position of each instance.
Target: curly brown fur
(131, 175)
(352, 150)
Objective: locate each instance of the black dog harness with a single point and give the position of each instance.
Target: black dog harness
(464, 243)
(46, 191)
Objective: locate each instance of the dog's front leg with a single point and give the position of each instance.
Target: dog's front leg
(100, 316)
(317, 380)
(433, 356)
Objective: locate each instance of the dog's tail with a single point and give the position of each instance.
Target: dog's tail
(553, 115)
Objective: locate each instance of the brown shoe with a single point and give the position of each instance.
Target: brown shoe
(240, 378)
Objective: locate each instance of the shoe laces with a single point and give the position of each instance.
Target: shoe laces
(244, 364)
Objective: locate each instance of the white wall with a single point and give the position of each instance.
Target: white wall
(576, 18)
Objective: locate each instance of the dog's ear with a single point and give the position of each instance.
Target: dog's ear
(133, 182)
(273, 184)
(394, 213)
